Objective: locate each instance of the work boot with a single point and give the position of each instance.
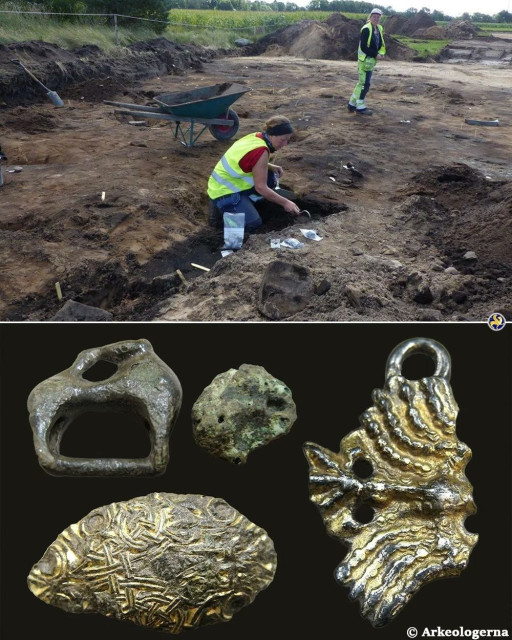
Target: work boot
(364, 112)
(214, 216)
(351, 107)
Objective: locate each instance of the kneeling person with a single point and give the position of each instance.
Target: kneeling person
(244, 173)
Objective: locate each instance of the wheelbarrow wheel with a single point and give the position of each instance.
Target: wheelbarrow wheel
(225, 132)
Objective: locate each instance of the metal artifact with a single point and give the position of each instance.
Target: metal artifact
(165, 561)
(142, 383)
(241, 410)
(396, 493)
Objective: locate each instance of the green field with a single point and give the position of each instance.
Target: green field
(485, 26)
(495, 26)
(216, 29)
(248, 22)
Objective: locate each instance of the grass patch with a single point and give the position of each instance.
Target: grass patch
(424, 48)
(497, 26)
(68, 34)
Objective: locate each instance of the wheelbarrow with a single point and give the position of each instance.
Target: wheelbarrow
(207, 107)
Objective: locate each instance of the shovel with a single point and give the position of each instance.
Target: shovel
(53, 95)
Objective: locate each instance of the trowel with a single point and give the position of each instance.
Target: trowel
(53, 95)
(285, 193)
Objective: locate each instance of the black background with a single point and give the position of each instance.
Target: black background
(331, 370)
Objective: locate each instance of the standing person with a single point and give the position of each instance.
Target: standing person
(244, 175)
(371, 47)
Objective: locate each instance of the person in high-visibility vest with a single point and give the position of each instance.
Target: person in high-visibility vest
(244, 175)
(371, 47)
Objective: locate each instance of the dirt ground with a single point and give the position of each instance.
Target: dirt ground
(419, 229)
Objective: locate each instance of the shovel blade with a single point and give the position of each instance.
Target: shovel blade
(55, 98)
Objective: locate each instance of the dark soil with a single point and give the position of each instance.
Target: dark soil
(414, 206)
(75, 74)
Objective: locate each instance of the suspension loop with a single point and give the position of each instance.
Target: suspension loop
(425, 346)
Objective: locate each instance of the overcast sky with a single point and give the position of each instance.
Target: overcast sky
(454, 7)
(449, 7)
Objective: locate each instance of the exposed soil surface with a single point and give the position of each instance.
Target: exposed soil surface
(418, 229)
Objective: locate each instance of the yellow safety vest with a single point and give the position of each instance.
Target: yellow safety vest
(361, 55)
(227, 177)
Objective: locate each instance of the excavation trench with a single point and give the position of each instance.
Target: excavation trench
(136, 292)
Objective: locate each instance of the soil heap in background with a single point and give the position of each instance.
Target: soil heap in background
(434, 33)
(336, 38)
(421, 25)
(461, 30)
(412, 27)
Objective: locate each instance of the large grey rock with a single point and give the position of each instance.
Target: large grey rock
(285, 290)
(141, 383)
(73, 311)
(240, 411)
(165, 561)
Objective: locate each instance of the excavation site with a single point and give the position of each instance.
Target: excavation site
(406, 214)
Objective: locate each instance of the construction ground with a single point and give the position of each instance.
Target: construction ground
(413, 204)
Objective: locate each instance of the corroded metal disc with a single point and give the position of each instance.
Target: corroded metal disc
(241, 410)
(396, 493)
(166, 561)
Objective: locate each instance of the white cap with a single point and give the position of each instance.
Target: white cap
(376, 11)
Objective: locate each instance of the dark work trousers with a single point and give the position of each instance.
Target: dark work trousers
(240, 202)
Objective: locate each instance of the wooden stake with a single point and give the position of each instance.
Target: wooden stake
(198, 266)
(59, 292)
(181, 276)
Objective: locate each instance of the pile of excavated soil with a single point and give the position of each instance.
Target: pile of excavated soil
(414, 26)
(336, 38)
(70, 72)
(461, 30)
(434, 33)
(421, 25)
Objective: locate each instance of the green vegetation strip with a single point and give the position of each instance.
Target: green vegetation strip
(210, 28)
(245, 20)
(68, 34)
(425, 48)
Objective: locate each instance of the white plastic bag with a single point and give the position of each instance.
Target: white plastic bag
(311, 234)
(234, 224)
(291, 243)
